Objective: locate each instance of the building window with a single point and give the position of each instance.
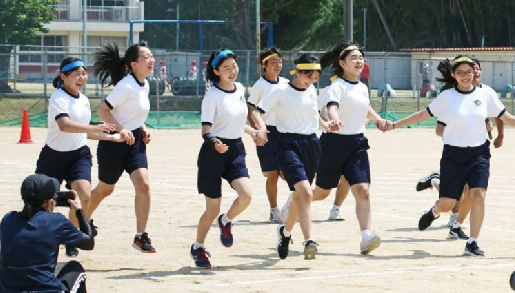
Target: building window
(54, 45)
(98, 41)
(106, 3)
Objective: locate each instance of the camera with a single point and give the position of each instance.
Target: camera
(61, 198)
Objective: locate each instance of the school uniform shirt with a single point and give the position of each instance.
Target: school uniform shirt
(352, 102)
(129, 102)
(464, 114)
(29, 250)
(295, 109)
(77, 109)
(225, 111)
(261, 89)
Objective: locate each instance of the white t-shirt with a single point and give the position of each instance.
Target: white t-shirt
(464, 114)
(129, 102)
(261, 89)
(225, 111)
(295, 109)
(352, 101)
(77, 109)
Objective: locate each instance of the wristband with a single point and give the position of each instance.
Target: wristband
(209, 137)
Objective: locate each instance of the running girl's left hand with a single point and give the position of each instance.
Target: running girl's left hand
(146, 136)
(104, 128)
(261, 137)
(498, 141)
(326, 125)
(335, 125)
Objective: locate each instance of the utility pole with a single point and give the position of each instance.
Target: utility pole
(348, 19)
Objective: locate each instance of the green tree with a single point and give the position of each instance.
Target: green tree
(20, 22)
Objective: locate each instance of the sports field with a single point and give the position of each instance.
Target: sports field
(407, 261)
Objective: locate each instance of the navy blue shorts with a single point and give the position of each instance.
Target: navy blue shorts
(115, 157)
(65, 166)
(213, 166)
(463, 165)
(267, 154)
(343, 155)
(298, 157)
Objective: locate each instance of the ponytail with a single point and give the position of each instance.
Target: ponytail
(109, 64)
(57, 82)
(27, 212)
(332, 58)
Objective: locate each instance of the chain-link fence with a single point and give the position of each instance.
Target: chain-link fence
(399, 82)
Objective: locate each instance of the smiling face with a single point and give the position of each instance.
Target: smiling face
(352, 65)
(227, 71)
(464, 74)
(75, 80)
(477, 74)
(304, 80)
(274, 66)
(144, 65)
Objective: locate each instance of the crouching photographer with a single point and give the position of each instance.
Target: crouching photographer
(30, 241)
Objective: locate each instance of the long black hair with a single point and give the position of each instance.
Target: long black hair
(267, 53)
(109, 63)
(447, 67)
(210, 70)
(332, 58)
(307, 58)
(65, 62)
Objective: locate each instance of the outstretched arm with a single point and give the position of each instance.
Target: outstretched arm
(412, 119)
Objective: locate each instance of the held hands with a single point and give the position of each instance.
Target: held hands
(146, 136)
(75, 202)
(260, 136)
(498, 141)
(104, 128)
(127, 136)
(331, 125)
(384, 125)
(220, 147)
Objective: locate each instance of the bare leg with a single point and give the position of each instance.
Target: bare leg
(207, 218)
(83, 189)
(362, 196)
(477, 215)
(243, 188)
(98, 194)
(142, 200)
(341, 192)
(301, 203)
(271, 187)
(465, 206)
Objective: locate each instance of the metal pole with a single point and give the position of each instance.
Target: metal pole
(364, 29)
(84, 37)
(45, 70)
(258, 37)
(348, 18)
(385, 24)
(177, 29)
(15, 75)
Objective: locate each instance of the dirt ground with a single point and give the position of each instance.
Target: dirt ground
(407, 261)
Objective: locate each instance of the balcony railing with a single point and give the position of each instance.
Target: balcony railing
(98, 13)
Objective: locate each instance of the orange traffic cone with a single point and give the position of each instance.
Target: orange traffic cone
(25, 128)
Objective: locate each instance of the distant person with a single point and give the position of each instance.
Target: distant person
(426, 85)
(365, 75)
(162, 73)
(30, 241)
(193, 70)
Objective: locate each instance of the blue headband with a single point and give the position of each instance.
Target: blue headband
(220, 55)
(69, 67)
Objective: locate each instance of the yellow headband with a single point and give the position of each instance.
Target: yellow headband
(349, 48)
(462, 59)
(268, 57)
(306, 66)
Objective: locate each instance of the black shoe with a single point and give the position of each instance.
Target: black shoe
(201, 257)
(425, 182)
(473, 250)
(426, 220)
(143, 244)
(94, 228)
(282, 242)
(457, 233)
(72, 251)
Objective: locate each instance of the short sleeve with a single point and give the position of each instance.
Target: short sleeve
(208, 110)
(256, 94)
(59, 107)
(495, 107)
(437, 107)
(322, 99)
(69, 233)
(119, 95)
(271, 101)
(335, 94)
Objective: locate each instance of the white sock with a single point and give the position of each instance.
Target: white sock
(197, 245)
(365, 234)
(335, 207)
(139, 234)
(286, 233)
(306, 240)
(435, 181)
(471, 239)
(456, 225)
(433, 211)
(274, 209)
(225, 220)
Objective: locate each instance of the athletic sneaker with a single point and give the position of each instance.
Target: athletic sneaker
(282, 242)
(457, 233)
(225, 232)
(425, 182)
(426, 220)
(367, 245)
(335, 215)
(143, 243)
(473, 250)
(275, 215)
(452, 220)
(310, 249)
(93, 228)
(200, 256)
(286, 208)
(71, 251)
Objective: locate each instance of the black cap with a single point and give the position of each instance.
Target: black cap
(37, 188)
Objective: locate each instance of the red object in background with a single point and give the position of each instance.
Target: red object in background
(366, 71)
(25, 128)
